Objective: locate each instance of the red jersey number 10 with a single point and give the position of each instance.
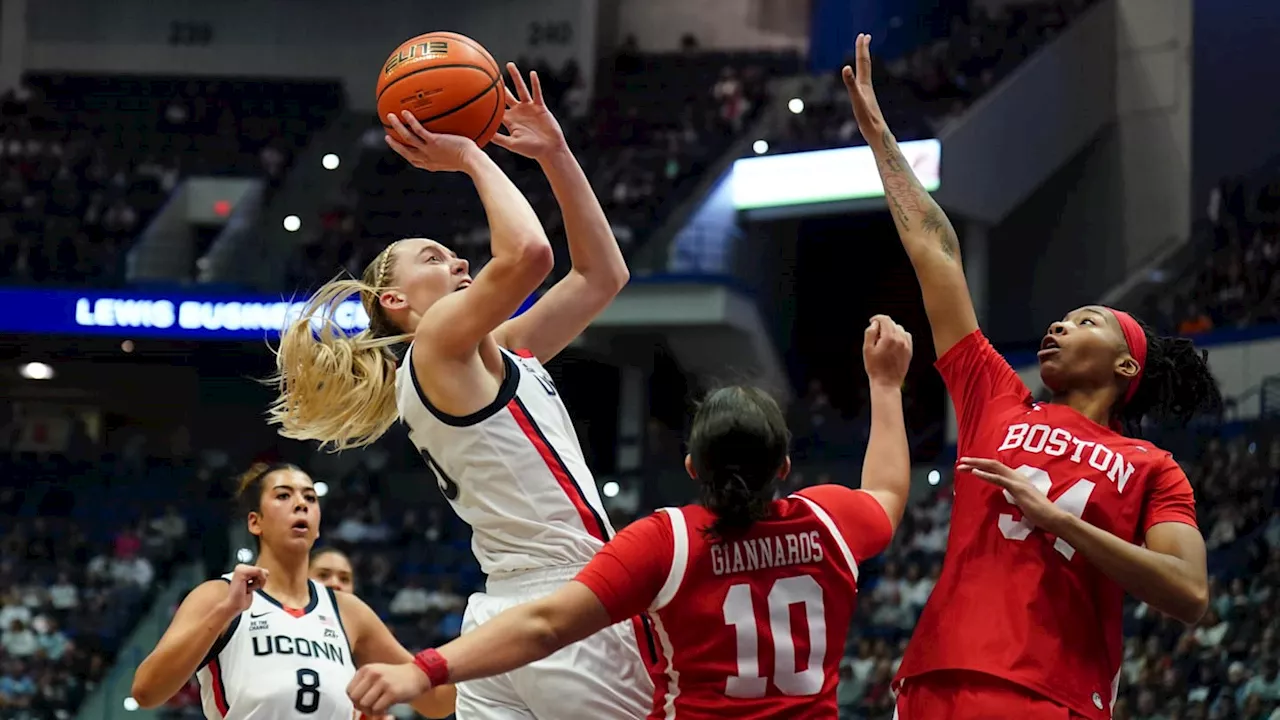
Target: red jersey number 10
(740, 612)
(1073, 501)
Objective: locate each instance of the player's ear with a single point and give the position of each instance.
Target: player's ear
(255, 524)
(785, 470)
(1127, 367)
(688, 466)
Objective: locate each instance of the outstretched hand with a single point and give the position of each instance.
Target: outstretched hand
(862, 95)
(436, 152)
(533, 130)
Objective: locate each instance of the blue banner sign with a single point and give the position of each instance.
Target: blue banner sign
(172, 315)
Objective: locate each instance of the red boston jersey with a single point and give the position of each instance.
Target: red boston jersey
(753, 627)
(1013, 601)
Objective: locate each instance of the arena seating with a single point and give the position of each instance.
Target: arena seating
(67, 534)
(77, 572)
(657, 122)
(1238, 283)
(86, 161)
(923, 89)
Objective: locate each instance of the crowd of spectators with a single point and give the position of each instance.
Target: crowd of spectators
(71, 588)
(1238, 283)
(76, 579)
(85, 162)
(655, 124)
(925, 88)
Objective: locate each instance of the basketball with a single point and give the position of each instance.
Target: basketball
(448, 81)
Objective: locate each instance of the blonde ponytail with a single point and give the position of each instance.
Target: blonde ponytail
(336, 389)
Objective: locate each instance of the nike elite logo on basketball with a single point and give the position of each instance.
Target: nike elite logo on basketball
(421, 51)
(767, 552)
(1056, 442)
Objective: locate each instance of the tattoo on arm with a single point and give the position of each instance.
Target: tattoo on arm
(910, 203)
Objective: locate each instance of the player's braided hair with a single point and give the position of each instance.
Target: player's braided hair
(737, 446)
(1176, 385)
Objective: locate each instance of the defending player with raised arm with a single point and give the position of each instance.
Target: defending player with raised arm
(471, 391)
(1039, 557)
(713, 574)
(238, 634)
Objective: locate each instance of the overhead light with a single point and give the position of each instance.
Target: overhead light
(36, 371)
(322, 488)
(330, 161)
(244, 555)
(760, 147)
(795, 105)
(292, 223)
(935, 477)
(611, 489)
(130, 705)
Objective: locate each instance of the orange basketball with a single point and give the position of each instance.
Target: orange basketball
(448, 81)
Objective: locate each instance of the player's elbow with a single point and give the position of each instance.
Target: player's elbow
(144, 690)
(1194, 604)
(612, 279)
(536, 257)
(543, 628)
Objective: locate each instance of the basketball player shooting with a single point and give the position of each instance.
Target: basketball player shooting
(444, 356)
(1059, 509)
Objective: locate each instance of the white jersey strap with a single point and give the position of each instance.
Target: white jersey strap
(337, 614)
(679, 558)
(835, 532)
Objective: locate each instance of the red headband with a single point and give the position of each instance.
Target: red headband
(1136, 338)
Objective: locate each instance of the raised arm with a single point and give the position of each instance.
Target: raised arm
(886, 469)
(522, 256)
(926, 233)
(599, 271)
(201, 618)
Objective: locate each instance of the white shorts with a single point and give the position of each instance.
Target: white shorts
(602, 677)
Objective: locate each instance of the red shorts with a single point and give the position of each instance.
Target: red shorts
(964, 695)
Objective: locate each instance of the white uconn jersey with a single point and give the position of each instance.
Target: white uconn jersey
(274, 663)
(513, 471)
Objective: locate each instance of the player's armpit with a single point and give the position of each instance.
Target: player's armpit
(859, 516)
(975, 375)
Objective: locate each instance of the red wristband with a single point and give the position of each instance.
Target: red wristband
(433, 664)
